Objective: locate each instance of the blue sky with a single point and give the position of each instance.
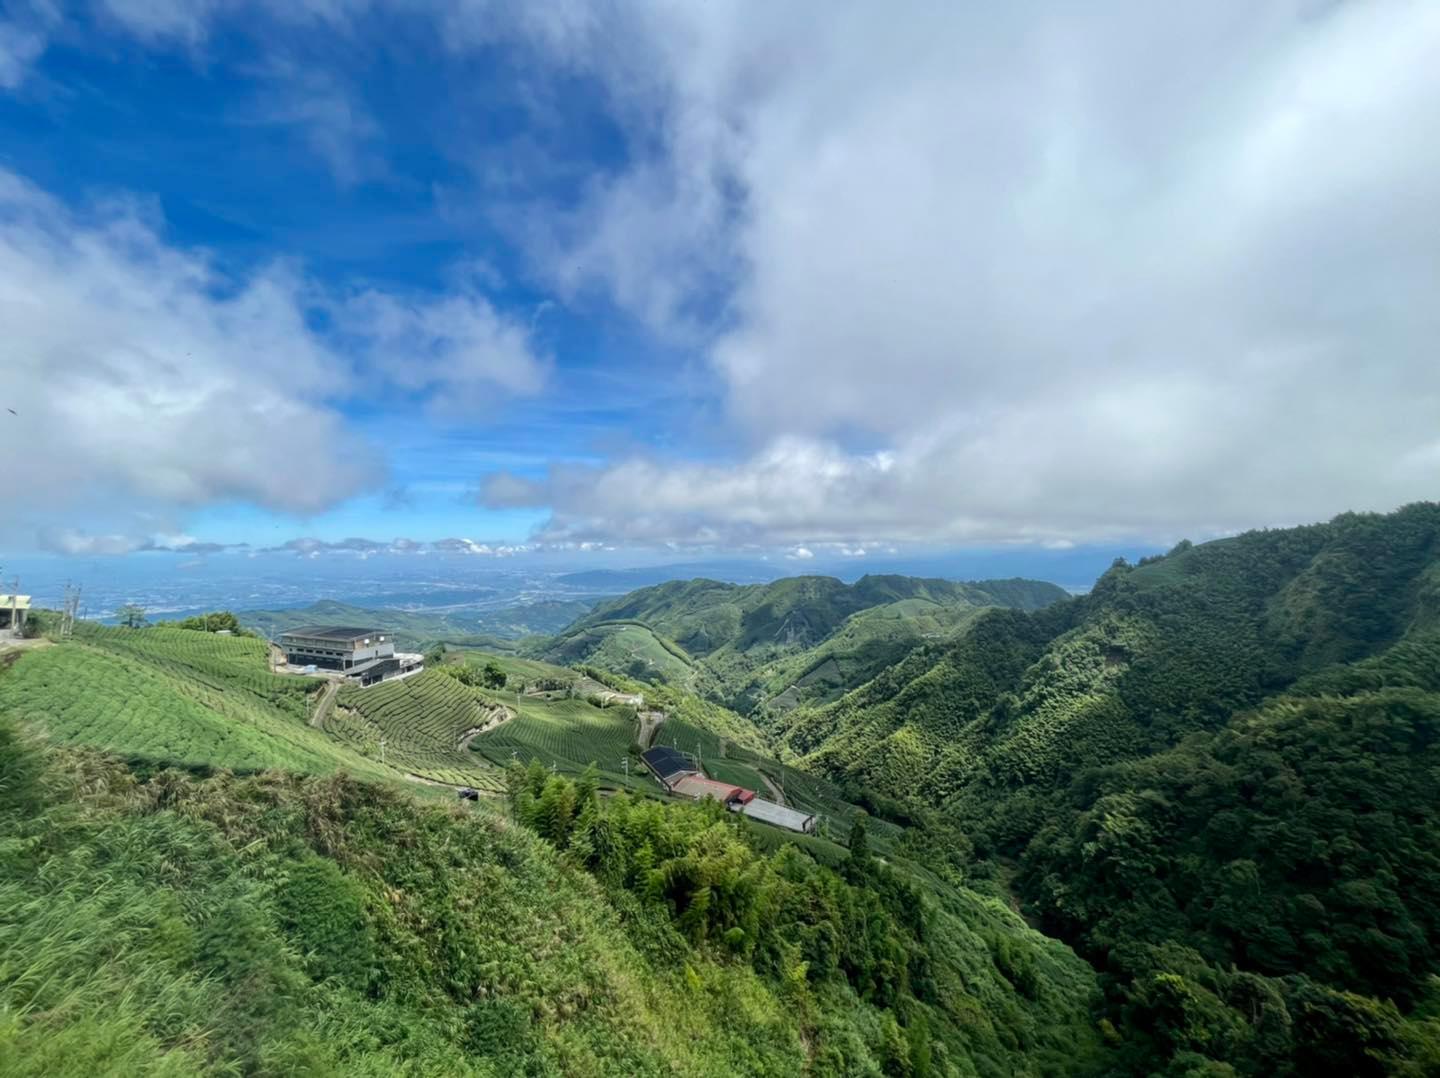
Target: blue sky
(828, 282)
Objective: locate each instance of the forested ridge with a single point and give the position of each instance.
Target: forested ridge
(770, 647)
(1216, 775)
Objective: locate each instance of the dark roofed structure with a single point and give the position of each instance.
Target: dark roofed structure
(341, 634)
(364, 655)
(669, 765)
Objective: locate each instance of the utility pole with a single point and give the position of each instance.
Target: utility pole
(71, 611)
(382, 752)
(625, 763)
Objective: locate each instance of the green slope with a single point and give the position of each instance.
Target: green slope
(1212, 773)
(173, 696)
(155, 923)
(796, 640)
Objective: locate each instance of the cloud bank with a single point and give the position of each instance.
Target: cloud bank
(984, 273)
(139, 380)
(1027, 272)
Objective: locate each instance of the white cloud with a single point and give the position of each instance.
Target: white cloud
(457, 350)
(1128, 271)
(981, 272)
(139, 380)
(329, 116)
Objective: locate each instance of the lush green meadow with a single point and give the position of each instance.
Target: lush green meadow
(628, 648)
(516, 669)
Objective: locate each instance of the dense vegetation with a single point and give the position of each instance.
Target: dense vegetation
(1215, 774)
(773, 646)
(277, 925)
(827, 937)
(1214, 777)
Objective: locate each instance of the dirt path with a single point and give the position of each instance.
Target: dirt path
(504, 716)
(650, 723)
(13, 647)
(423, 781)
(325, 703)
(774, 791)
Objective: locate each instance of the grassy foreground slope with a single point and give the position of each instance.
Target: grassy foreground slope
(280, 925)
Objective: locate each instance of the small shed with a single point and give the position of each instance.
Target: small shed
(669, 765)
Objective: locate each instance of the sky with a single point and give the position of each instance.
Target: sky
(802, 281)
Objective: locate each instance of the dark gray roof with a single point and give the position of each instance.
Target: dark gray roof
(665, 761)
(342, 633)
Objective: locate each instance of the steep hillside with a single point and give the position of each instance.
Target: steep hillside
(174, 697)
(1214, 772)
(161, 924)
(800, 639)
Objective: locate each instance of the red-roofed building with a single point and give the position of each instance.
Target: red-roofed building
(699, 787)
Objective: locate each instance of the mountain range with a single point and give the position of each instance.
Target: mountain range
(796, 640)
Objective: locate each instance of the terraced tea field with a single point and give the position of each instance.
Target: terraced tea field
(177, 698)
(425, 722)
(570, 734)
(223, 663)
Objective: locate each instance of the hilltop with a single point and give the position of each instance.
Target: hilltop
(798, 639)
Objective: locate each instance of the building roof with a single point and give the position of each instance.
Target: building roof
(339, 633)
(779, 815)
(699, 787)
(18, 602)
(667, 762)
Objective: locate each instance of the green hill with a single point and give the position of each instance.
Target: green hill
(155, 921)
(174, 697)
(1213, 774)
(796, 640)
